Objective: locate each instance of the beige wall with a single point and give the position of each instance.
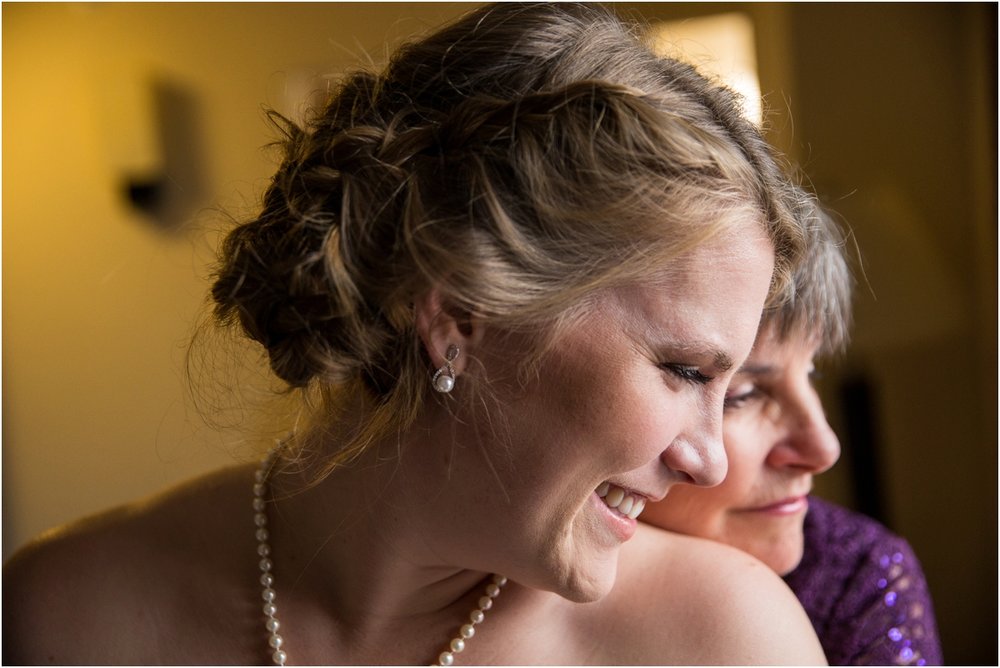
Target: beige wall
(98, 304)
(894, 118)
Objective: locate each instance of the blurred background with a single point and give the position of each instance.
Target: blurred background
(131, 131)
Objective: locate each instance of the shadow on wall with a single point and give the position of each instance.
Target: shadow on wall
(167, 183)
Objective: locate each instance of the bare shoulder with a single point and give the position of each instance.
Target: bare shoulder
(136, 569)
(695, 602)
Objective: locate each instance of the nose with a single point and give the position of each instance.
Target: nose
(805, 439)
(699, 454)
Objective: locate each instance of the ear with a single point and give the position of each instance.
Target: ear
(440, 324)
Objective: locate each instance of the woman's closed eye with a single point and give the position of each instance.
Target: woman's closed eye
(687, 373)
(740, 395)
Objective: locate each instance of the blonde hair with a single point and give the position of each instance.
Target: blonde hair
(517, 160)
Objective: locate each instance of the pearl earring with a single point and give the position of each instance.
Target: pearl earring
(444, 378)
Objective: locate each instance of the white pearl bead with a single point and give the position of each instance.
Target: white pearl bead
(272, 624)
(444, 383)
(467, 631)
(260, 519)
(259, 489)
(446, 659)
(259, 504)
(268, 594)
(492, 591)
(262, 535)
(477, 616)
(457, 645)
(266, 579)
(499, 580)
(279, 657)
(275, 641)
(265, 564)
(270, 609)
(485, 602)
(263, 549)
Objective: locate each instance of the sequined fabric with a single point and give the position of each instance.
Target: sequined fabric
(864, 591)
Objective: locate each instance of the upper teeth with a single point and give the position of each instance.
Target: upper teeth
(627, 504)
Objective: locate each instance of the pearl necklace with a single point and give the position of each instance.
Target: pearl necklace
(275, 641)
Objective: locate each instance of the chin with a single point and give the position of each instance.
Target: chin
(587, 583)
(783, 565)
(575, 565)
(782, 560)
(780, 550)
(587, 592)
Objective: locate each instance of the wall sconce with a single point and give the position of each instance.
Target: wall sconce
(152, 138)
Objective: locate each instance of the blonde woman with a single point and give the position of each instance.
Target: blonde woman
(512, 276)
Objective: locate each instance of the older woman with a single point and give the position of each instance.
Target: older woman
(512, 276)
(861, 585)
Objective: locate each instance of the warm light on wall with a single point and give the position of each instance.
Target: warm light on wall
(721, 45)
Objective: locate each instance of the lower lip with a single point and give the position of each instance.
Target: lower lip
(784, 508)
(622, 527)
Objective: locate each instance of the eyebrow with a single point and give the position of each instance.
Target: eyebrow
(697, 350)
(722, 361)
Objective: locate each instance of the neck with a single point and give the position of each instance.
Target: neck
(362, 541)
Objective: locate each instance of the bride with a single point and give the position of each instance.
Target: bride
(511, 276)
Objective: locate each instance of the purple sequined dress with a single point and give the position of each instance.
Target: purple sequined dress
(864, 591)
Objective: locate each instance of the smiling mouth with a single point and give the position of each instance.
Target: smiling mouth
(621, 501)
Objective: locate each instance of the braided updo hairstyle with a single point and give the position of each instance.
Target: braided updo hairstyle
(517, 160)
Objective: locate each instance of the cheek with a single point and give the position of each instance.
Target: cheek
(746, 448)
(696, 511)
(618, 409)
(570, 430)
(705, 511)
(644, 419)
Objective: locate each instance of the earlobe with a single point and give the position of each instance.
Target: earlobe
(448, 334)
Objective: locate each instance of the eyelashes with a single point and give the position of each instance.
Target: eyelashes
(758, 391)
(740, 400)
(689, 374)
